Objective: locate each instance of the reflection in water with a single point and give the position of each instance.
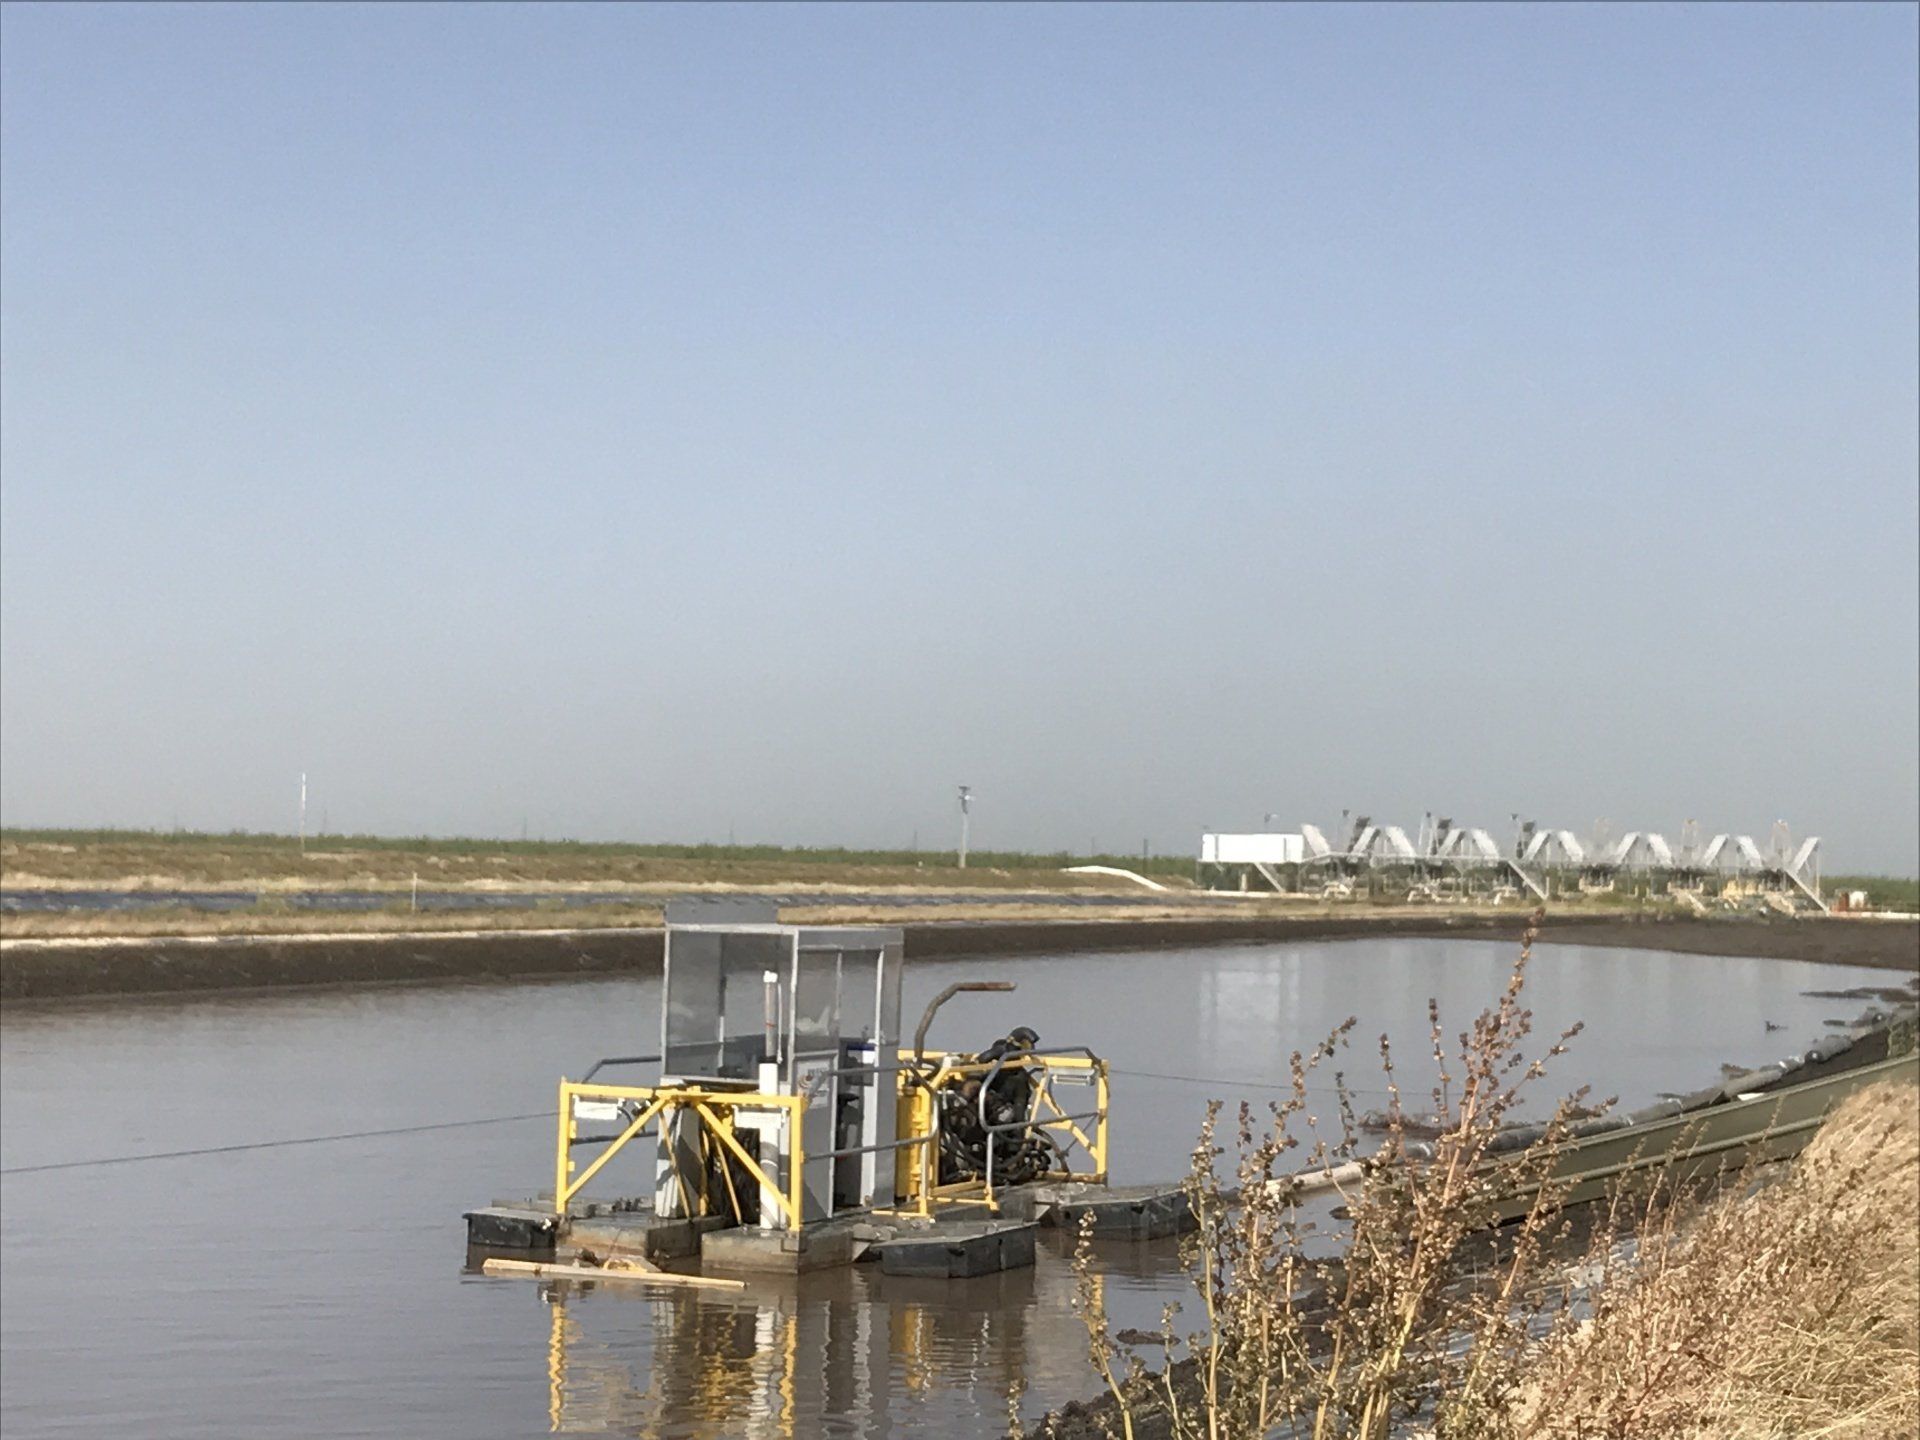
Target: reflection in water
(777, 1364)
(728, 1371)
(1246, 1011)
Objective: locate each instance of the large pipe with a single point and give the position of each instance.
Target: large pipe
(926, 1020)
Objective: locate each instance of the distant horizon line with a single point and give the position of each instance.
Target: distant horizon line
(662, 849)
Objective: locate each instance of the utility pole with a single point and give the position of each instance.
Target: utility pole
(966, 821)
(303, 812)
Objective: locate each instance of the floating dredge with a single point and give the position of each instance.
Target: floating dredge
(791, 1129)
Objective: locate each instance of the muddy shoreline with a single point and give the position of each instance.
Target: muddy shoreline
(49, 971)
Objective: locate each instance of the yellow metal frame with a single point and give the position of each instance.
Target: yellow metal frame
(914, 1174)
(916, 1112)
(715, 1110)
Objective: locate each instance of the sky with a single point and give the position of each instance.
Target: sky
(677, 423)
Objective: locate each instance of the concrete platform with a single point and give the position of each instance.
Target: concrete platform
(957, 1249)
(607, 1228)
(784, 1252)
(639, 1233)
(579, 1209)
(902, 1245)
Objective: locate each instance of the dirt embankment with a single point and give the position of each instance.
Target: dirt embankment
(64, 970)
(1882, 944)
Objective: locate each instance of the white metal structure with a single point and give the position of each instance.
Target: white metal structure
(1265, 849)
(1447, 857)
(1262, 854)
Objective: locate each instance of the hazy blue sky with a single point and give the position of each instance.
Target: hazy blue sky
(655, 422)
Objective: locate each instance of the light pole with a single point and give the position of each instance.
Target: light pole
(966, 821)
(303, 812)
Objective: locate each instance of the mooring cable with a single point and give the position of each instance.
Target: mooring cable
(243, 1146)
(273, 1144)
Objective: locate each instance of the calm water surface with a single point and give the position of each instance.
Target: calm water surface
(317, 1290)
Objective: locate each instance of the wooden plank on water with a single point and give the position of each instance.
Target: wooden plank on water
(535, 1269)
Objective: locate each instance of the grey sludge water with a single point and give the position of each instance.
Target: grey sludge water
(317, 1290)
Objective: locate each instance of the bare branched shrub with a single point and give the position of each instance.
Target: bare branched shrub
(1411, 1309)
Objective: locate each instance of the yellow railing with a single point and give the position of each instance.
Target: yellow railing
(940, 1069)
(916, 1171)
(715, 1110)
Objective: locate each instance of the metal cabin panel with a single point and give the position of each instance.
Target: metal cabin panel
(813, 1058)
(690, 1002)
(713, 978)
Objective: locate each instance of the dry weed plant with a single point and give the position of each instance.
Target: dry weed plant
(1788, 1307)
(1422, 1305)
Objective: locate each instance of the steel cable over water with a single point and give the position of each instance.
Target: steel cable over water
(274, 1144)
(244, 1146)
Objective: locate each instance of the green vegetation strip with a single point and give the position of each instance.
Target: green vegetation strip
(459, 845)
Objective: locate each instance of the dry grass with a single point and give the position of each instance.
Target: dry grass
(177, 922)
(135, 861)
(273, 866)
(1789, 1310)
(395, 918)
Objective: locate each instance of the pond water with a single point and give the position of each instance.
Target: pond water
(318, 1289)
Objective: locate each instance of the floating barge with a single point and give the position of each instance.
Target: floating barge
(784, 1126)
(789, 1128)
